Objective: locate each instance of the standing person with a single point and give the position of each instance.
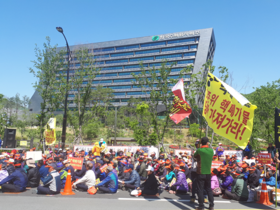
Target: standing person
(271, 149)
(204, 156)
(193, 173)
(0, 141)
(220, 150)
(248, 151)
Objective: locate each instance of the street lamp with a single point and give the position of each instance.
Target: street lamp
(63, 137)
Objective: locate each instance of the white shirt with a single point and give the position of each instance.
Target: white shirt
(88, 179)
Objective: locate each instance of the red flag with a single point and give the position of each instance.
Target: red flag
(181, 109)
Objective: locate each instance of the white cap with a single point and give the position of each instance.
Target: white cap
(101, 140)
(220, 143)
(11, 160)
(150, 168)
(2, 156)
(66, 161)
(60, 149)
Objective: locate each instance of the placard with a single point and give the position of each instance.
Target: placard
(35, 155)
(216, 164)
(77, 163)
(238, 153)
(264, 158)
(23, 143)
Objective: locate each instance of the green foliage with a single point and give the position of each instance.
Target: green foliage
(92, 130)
(194, 130)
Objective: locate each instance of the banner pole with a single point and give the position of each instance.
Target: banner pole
(276, 193)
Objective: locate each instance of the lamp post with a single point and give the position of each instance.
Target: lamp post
(63, 137)
(115, 141)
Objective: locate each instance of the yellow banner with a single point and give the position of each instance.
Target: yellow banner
(50, 134)
(225, 115)
(23, 143)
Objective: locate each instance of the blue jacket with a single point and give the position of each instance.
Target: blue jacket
(43, 171)
(134, 179)
(111, 181)
(18, 177)
(227, 183)
(220, 151)
(246, 174)
(270, 181)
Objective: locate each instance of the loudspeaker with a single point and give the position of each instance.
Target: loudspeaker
(9, 138)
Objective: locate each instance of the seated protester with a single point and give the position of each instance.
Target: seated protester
(110, 183)
(239, 191)
(88, 180)
(122, 167)
(214, 179)
(181, 185)
(62, 173)
(134, 179)
(10, 166)
(115, 165)
(245, 171)
(227, 181)
(161, 171)
(150, 186)
(32, 174)
(98, 173)
(142, 171)
(269, 180)
(68, 167)
(253, 179)
(3, 172)
(170, 174)
(80, 173)
(51, 183)
(43, 171)
(15, 182)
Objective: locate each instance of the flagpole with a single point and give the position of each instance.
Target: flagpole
(276, 193)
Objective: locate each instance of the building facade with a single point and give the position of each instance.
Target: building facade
(119, 59)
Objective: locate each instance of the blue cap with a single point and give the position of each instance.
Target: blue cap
(130, 166)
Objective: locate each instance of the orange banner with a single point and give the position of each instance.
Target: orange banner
(77, 163)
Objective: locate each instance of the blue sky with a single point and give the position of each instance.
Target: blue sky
(247, 32)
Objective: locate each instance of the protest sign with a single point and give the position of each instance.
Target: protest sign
(177, 151)
(50, 133)
(216, 164)
(77, 163)
(23, 143)
(264, 158)
(35, 155)
(227, 112)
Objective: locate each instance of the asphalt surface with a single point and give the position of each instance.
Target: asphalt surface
(119, 201)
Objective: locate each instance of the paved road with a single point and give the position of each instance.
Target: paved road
(118, 201)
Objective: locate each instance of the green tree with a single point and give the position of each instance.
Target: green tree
(48, 63)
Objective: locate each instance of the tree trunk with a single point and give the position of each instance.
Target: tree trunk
(206, 131)
(31, 143)
(212, 138)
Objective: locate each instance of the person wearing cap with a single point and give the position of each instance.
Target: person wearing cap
(181, 184)
(269, 180)
(220, 150)
(239, 190)
(10, 166)
(227, 181)
(193, 173)
(245, 171)
(15, 182)
(80, 173)
(204, 156)
(214, 179)
(88, 180)
(67, 167)
(32, 174)
(43, 171)
(170, 174)
(248, 151)
(110, 183)
(142, 170)
(98, 173)
(271, 149)
(134, 179)
(96, 150)
(51, 183)
(253, 182)
(161, 170)
(150, 186)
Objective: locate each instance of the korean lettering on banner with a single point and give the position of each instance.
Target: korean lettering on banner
(216, 164)
(77, 163)
(225, 115)
(264, 158)
(238, 153)
(103, 168)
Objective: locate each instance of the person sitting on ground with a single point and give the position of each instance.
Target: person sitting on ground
(99, 174)
(43, 171)
(32, 174)
(253, 179)
(115, 165)
(3, 172)
(161, 170)
(110, 183)
(68, 167)
(227, 182)
(269, 180)
(169, 176)
(214, 180)
(134, 179)
(10, 166)
(181, 185)
(142, 170)
(150, 186)
(52, 182)
(15, 182)
(239, 191)
(245, 171)
(88, 180)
